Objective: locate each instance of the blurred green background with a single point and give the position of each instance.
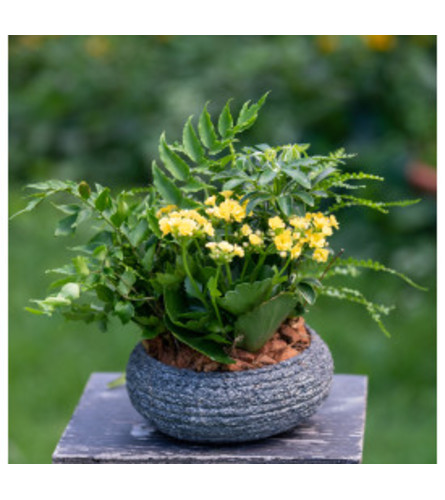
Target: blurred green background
(93, 107)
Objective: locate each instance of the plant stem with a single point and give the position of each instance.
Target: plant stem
(229, 273)
(331, 263)
(246, 262)
(190, 277)
(212, 298)
(258, 266)
(289, 260)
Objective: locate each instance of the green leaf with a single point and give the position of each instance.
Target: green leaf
(51, 185)
(204, 345)
(190, 142)
(323, 175)
(255, 200)
(124, 311)
(307, 292)
(245, 296)
(66, 226)
(298, 176)
(165, 187)
(30, 206)
(173, 162)
(148, 258)
(233, 183)
(121, 213)
(249, 113)
(35, 311)
(103, 201)
(84, 190)
(225, 121)
(212, 287)
(104, 293)
(376, 266)
(168, 279)
(139, 233)
(81, 265)
(266, 177)
(257, 326)
(207, 130)
(306, 197)
(285, 204)
(117, 382)
(374, 310)
(174, 304)
(70, 291)
(126, 282)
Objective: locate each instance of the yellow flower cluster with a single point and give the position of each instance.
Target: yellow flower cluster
(230, 210)
(255, 239)
(311, 230)
(183, 222)
(224, 251)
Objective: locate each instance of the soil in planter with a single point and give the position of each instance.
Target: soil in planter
(289, 340)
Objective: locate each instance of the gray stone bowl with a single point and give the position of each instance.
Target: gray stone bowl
(230, 407)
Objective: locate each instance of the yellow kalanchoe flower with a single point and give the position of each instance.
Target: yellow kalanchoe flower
(333, 221)
(224, 251)
(227, 193)
(296, 251)
(185, 223)
(229, 210)
(276, 223)
(315, 240)
(246, 230)
(320, 254)
(299, 222)
(165, 210)
(255, 240)
(283, 241)
(211, 200)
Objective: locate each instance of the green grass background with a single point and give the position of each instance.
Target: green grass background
(50, 360)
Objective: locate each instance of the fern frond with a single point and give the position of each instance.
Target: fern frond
(350, 201)
(375, 310)
(337, 180)
(351, 263)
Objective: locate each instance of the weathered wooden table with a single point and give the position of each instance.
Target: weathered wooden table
(106, 429)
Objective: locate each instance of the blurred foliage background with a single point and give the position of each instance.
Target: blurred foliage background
(93, 107)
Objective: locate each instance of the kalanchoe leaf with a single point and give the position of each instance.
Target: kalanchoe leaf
(245, 296)
(204, 345)
(307, 292)
(257, 326)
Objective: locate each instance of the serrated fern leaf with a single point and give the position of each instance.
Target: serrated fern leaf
(351, 263)
(345, 201)
(337, 180)
(375, 310)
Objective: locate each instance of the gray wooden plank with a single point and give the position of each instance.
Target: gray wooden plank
(106, 429)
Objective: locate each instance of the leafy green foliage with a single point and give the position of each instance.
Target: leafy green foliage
(257, 326)
(246, 296)
(157, 271)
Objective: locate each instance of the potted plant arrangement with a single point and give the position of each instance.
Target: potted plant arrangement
(216, 262)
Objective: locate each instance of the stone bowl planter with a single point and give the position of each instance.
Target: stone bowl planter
(229, 407)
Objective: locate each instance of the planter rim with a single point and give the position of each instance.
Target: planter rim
(299, 358)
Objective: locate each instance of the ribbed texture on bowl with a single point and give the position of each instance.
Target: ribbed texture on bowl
(225, 407)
